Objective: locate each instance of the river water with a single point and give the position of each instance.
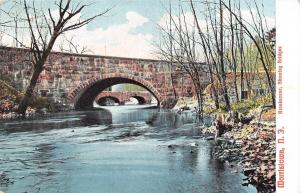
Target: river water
(116, 150)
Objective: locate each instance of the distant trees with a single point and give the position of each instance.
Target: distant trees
(232, 39)
(256, 30)
(44, 27)
(10, 18)
(178, 46)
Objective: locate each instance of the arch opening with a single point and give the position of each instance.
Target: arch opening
(140, 100)
(84, 99)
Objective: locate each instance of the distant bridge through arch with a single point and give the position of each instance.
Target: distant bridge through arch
(103, 100)
(123, 97)
(77, 79)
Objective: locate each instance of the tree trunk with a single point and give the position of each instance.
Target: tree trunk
(236, 88)
(199, 101)
(29, 92)
(224, 86)
(213, 89)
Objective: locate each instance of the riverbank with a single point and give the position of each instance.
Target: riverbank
(10, 98)
(187, 102)
(247, 143)
(244, 138)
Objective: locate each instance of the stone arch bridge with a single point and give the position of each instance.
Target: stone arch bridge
(122, 97)
(77, 79)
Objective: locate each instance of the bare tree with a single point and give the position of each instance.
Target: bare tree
(171, 50)
(44, 30)
(69, 44)
(181, 47)
(205, 45)
(213, 43)
(258, 36)
(222, 58)
(232, 47)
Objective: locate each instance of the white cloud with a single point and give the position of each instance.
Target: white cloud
(135, 20)
(188, 17)
(116, 40)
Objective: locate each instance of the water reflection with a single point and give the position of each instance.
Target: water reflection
(111, 150)
(185, 155)
(44, 164)
(100, 117)
(58, 121)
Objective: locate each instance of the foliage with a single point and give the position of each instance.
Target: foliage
(210, 109)
(251, 56)
(266, 100)
(186, 101)
(44, 104)
(245, 105)
(269, 115)
(132, 88)
(9, 97)
(7, 90)
(6, 78)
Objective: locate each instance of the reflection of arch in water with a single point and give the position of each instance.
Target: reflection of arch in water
(153, 118)
(121, 117)
(83, 96)
(105, 100)
(99, 117)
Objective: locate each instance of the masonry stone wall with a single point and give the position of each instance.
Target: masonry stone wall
(68, 77)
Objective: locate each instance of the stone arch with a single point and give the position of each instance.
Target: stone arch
(141, 100)
(83, 96)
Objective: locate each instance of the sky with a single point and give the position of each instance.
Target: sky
(129, 29)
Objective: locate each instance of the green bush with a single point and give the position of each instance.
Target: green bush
(40, 103)
(245, 105)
